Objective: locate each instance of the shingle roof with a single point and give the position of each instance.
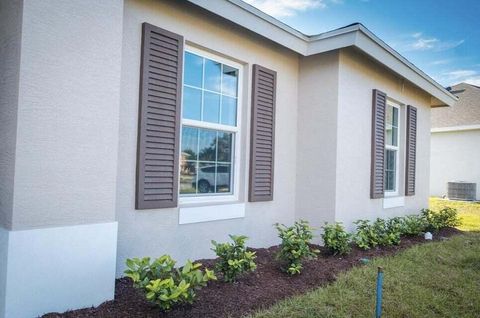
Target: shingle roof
(465, 112)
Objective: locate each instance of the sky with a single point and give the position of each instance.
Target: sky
(441, 37)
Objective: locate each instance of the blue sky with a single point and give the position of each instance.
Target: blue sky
(441, 37)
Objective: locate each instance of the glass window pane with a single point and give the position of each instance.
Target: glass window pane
(394, 136)
(389, 135)
(192, 103)
(389, 115)
(189, 143)
(206, 177)
(224, 177)
(390, 162)
(188, 177)
(224, 147)
(229, 111)
(207, 145)
(193, 69)
(229, 80)
(211, 107)
(212, 75)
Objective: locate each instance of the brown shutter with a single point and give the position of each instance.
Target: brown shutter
(159, 118)
(411, 150)
(262, 134)
(377, 186)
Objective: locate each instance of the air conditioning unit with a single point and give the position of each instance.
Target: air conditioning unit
(461, 190)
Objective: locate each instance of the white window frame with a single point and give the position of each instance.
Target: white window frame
(395, 148)
(236, 130)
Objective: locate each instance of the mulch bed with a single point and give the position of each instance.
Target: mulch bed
(258, 290)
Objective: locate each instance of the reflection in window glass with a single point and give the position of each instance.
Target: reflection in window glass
(206, 177)
(229, 80)
(192, 103)
(211, 107)
(207, 145)
(223, 178)
(188, 177)
(189, 143)
(213, 72)
(391, 126)
(224, 147)
(229, 111)
(193, 69)
(391, 145)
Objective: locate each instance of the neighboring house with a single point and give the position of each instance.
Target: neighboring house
(108, 134)
(455, 141)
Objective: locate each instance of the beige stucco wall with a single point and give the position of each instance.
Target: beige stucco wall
(67, 124)
(455, 156)
(358, 76)
(154, 232)
(317, 138)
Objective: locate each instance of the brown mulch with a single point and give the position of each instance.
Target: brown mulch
(261, 289)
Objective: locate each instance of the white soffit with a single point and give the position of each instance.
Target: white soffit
(356, 35)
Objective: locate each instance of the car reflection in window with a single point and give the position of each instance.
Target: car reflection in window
(208, 177)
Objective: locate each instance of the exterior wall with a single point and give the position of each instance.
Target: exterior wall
(155, 232)
(454, 157)
(10, 44)
(358, 76)
(317, 138)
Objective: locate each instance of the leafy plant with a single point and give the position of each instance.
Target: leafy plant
(446, 217)
(295, 245)
(336, 239)
(234, 259)
(413, 225)
(365, 237)
(165, 285)
(380, 232)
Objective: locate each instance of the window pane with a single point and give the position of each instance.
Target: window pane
(224, 147)
(389, 181)
(390, 170)
(192, 103)
(207, 145)
(229, 80)
(389, 115)
(211, 107)
(395, 117)
(229, 111)
(189, 143)
(188, 177)
(193, 69)
(224, 176)
(206, 177)
(390, 162)
(212, 75)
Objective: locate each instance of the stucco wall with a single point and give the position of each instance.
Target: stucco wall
(10, 45)
(358, 76)
(154, 232)
(317, 138)
(455, 156)
(66, 148)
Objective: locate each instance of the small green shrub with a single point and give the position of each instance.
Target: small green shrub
(165, 285)
(446, 217)
(295, 245)
(336, 239)
(413, 225)
(234, 259)
(379, 233)
(365, 236)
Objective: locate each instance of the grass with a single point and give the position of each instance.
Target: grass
(440, 279)
(469, 212)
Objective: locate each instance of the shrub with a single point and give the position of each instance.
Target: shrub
(336, 239)
(446, 217)
(413, 225)
(164, 285)
(234, 259)
(365, 237)
(381, 232)
(295, 245)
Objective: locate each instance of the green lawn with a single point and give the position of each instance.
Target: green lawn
(469, 212)
(440, 279)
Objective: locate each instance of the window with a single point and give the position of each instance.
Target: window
(210, 126)
(392, 147)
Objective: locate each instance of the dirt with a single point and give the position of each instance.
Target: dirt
(254, 291)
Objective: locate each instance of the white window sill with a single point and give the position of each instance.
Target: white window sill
(393, 202)
(212, 212)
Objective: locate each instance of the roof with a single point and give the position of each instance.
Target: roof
(355, 34)
(466, 112)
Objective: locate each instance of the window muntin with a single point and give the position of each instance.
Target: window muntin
(392, 128)
(209, 126)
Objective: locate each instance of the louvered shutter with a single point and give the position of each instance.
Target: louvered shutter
(262, 141)
(377, 186)
(411, 148)
(159, 118)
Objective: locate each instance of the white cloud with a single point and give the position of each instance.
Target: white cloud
(458, 76)
(440, 62)
(473, 80)
(286, 8)
(420, 42)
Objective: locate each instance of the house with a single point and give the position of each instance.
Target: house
(143, 127)
(455, 144)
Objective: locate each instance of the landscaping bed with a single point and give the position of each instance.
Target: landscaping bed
(255, 291)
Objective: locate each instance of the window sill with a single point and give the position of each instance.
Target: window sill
(212, 212)
(393, 202)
